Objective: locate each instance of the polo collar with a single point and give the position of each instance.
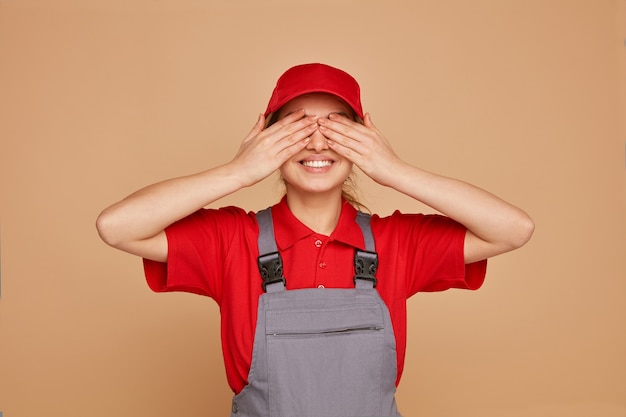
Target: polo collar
(289, 230)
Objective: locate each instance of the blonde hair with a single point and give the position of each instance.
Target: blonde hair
(349, 192)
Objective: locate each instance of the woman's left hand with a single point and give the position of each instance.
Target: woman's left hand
(494, 226)
(363, 144)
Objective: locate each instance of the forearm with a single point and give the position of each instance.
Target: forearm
(150, 210)
(499, 225)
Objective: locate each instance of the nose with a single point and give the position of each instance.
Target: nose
(318, 142)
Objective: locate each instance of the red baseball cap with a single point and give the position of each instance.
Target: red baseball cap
(315, 78)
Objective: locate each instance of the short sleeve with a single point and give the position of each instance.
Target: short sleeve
(428, 251)
(197, 248)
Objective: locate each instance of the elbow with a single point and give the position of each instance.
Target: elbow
(512, 234)
(523, 231)
(105, 225)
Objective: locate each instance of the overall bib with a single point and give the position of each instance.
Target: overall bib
(320, 352)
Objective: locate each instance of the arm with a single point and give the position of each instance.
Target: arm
(493, 225)
(137, 223)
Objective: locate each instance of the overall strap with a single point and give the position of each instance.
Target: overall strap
(270, 263)
(363, 220)
(365, 262)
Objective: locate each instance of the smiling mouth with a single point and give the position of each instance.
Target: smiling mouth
(316, 164)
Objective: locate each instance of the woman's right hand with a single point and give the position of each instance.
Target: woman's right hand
(264, 150)
(136, 224)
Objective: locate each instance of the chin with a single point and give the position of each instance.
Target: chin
(314, 189)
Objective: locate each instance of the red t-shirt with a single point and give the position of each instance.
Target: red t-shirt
(213, 252)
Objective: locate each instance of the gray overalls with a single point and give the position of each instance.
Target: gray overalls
(320, 352)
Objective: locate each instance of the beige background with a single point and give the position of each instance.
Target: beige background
(523, 98)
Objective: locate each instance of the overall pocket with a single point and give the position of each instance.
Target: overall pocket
(326, 359)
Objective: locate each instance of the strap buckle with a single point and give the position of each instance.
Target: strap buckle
(365, 266)
(271, 269)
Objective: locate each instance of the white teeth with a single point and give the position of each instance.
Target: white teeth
(316, 164)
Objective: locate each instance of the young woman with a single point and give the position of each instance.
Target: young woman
(312, 293)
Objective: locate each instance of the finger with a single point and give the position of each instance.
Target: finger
(297, 139)
(350, 154)
(345, 135)
(287, 120)
(291, 148)
(292, 133)
(364, 128)
(343, 125)
(368, 123)
(281, 144)
(291, 128)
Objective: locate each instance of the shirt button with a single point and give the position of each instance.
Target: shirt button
(322, 264)
(318, 243)
(320, 286)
